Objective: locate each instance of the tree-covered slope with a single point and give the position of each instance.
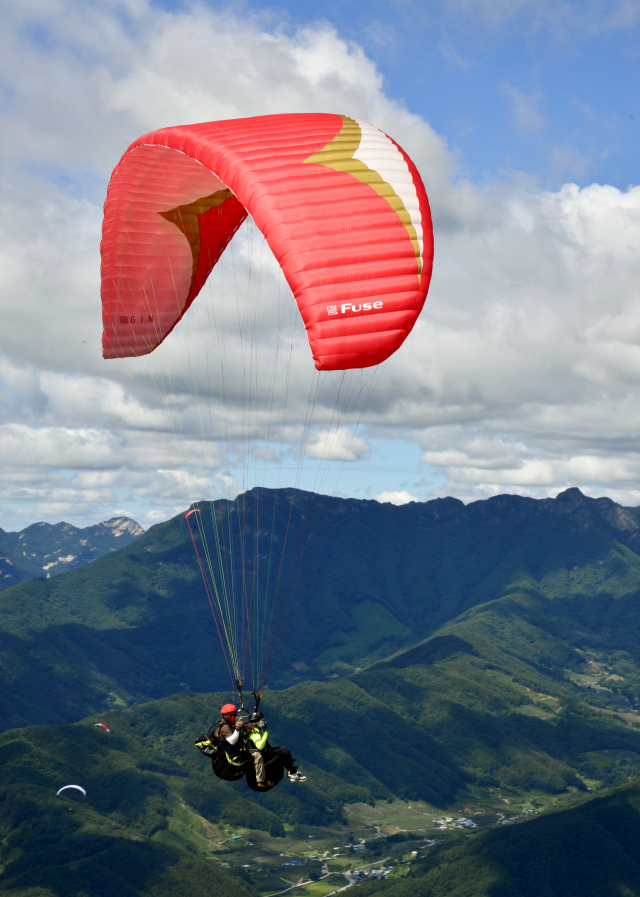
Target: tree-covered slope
(155, 818)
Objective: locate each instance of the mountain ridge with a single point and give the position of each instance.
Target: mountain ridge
(378, 578)
(46, 549)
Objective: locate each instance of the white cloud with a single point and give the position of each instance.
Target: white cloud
(531, 372)
(521, 373)
(395, 498)
(340, 444)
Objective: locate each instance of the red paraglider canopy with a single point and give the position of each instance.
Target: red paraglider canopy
(341, 205)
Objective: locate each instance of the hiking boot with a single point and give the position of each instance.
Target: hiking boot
(296, 776)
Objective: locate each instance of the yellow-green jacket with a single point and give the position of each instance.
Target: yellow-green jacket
(259, 738)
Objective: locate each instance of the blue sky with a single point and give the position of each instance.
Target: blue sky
(547, 90)
(523, 370)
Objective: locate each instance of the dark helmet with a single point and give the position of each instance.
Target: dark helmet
(228, 711)
(256, 717)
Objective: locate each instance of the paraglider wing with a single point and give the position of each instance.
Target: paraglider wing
(106, 728)
(192, 511)
(341, 205)
(78, 787)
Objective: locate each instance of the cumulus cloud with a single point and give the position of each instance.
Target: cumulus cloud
(521, 374)
(395, 498)
(532, 369)
(337, 445)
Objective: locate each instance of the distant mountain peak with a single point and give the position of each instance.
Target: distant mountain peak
(46, 549)
(573, 494)
(121, 525)
(586, 510)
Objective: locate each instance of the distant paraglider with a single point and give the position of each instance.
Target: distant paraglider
(77, 787)
(106, 728)
(192, 511)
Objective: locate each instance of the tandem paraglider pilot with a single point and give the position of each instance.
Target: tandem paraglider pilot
(240, 747)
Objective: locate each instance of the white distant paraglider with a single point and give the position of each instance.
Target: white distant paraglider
(106, 728)
(78, 787)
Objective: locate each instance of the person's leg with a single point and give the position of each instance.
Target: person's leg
(287, 760)
(258, 762)
(289, 763)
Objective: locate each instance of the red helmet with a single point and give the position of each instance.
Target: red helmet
(229, 710)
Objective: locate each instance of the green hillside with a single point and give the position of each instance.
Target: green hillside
(136, 625)
(156, 821)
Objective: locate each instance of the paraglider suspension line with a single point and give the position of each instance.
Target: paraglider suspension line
(239, 685)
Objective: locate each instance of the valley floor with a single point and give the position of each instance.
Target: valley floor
(380, 842)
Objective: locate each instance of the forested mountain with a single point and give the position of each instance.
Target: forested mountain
(436, 652)
(45, 549)
(530, 675)
(136, 624)
(155, 821)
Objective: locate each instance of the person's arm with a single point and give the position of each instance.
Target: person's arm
(231, 738)
(260, 740)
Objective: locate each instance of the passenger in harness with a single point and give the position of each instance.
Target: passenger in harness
(264, 754)
(256, 741)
